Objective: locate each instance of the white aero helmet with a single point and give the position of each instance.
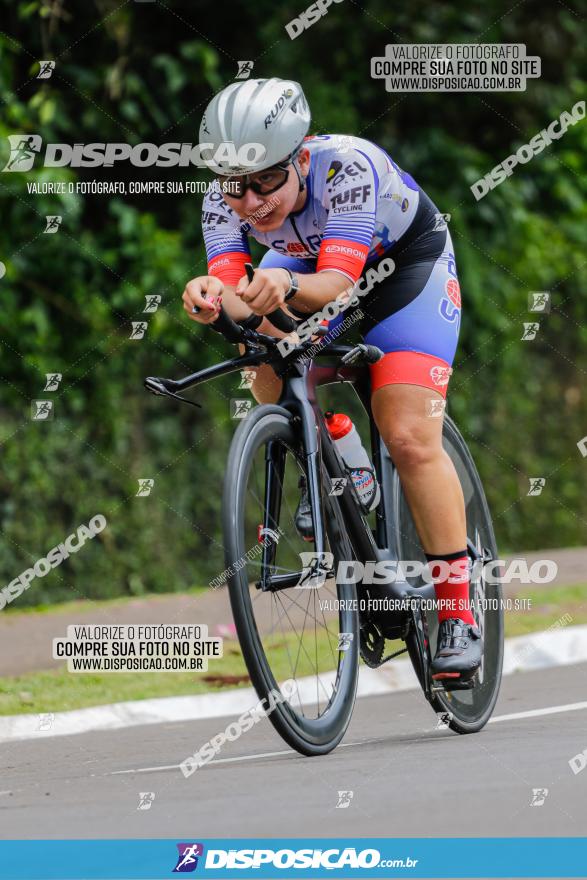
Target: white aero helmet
(262, 121)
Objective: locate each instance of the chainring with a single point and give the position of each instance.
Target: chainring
(371, 644)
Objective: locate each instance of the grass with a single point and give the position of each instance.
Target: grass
(59, 691)
(547, 606)
(85, 604)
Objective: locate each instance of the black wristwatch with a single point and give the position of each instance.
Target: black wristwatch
(294, 285)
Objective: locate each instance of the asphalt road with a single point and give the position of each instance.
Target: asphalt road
(407, 777)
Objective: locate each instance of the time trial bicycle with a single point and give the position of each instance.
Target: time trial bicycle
(295, 617)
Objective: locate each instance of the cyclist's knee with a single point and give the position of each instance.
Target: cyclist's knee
(262, 382)
(266, 387)
(412, 436)
(410, 451)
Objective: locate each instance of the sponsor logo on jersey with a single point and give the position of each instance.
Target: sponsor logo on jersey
(309, 247)
(341, 249)
(221, 261)
(397, 198)
(450, 304)
(334, 169)
(453, 291)
(213, 219)
(353, 195)
(352, 169)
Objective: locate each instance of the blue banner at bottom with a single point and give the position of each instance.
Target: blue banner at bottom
(366, 857)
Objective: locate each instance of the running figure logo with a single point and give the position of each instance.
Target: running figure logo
(539, 301)
(139, 329)
(337, 485)
(53, 380)
(530, 330)
(46, 69)
(537, 484)
(188, 857)
(435, 407)
(152, 302)
(53, 223)
(42, 410)
(23, 149)
(239, 409)
(344, 641)
(145, 487)
(146, 799)
(440, 222)
(344, 799)
(245, 69)
(316, 566)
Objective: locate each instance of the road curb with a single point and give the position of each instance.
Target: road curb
(556, 647)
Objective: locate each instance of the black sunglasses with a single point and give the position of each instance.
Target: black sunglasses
(263, 183)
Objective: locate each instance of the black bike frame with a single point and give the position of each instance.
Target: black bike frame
(298, 401)
(298, 397)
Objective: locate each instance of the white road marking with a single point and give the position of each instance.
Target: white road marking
(534, 713)
(362, 742)
(514, 716)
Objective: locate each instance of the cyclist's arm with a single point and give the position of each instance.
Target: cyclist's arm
(318, 289)
(226, 242)
(227, 251)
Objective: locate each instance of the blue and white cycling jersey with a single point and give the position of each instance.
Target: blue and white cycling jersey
(359, 205)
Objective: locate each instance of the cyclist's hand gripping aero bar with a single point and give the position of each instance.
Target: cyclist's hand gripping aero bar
(233, 332)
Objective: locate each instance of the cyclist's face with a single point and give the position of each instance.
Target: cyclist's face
(268, 211)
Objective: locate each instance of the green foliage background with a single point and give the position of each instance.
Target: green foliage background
(143, 72)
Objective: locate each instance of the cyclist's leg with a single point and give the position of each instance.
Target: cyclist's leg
(409, 387)
(266, 387)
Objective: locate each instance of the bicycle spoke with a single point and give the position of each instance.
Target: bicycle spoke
(308, 657)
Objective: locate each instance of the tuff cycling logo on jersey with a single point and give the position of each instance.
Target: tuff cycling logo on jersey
(356, 194)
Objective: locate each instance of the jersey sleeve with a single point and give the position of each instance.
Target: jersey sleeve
(226, 241)
(351, 198)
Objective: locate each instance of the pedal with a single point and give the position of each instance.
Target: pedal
(452, 685)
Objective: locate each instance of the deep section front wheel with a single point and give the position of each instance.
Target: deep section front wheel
(300, 633)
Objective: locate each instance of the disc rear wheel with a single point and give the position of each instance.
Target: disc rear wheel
(465, 711)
